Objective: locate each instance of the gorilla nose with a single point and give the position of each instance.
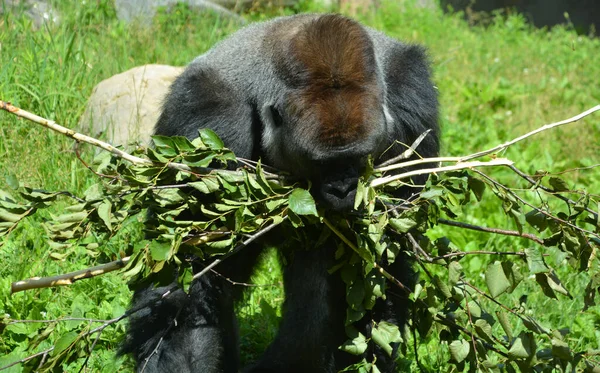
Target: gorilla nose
(339, 194)
(339, 188)
(338, 181)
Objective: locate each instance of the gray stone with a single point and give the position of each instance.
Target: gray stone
(144, 10)
(40, 12)
(124, 108)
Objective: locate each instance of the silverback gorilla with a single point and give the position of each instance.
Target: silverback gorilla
(313, 95)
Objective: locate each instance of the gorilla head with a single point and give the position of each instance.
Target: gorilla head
(330, 113)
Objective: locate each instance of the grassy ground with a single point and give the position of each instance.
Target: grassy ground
(495, 83)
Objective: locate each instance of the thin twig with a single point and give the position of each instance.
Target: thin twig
(470, 317)
(68, 278)
(500, 147)
(62, 319)
(408, 152)
(26, 359)
(545, 213)
(418, 249)
(87, 358)
(84, 138)
(244, 284)
(549, 190)
(504, 232)
(460, 166)
(239, 246)
(416, 162)
(387, 166)
(161, 339)
(47, 351)
(381, 270)
(101, 144)
(478, 252)
(84, 163)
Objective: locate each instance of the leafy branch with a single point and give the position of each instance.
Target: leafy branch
(202, 209)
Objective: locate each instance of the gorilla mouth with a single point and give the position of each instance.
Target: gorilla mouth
(338, 189)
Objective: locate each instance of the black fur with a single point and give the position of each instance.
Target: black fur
(236, 90)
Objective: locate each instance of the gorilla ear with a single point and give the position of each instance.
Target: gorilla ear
(271, 119)
(272, 116)
(277, 118)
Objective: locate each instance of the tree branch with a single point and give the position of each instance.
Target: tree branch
(49, 350)
(408, 152)
(68, 278)
(460, 166)
(388, 167)
(101, 144)
(504, 232)
(238, 247)
(500, 147)
(549, 190)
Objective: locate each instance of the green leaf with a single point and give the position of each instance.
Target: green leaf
(442, 287)
(454, 272)
(12, 181)
(503, 319)
(484, 330)
(477, 186)
(459, 350)
(474, 308)
(260, 178)
(537, 220)
(523, 346)
(558, 184)
(64, 342)
(513, 273)
(361, 192)
(531, 324)
(353, 316)
(496, 279)
(220, 246)
(357, 345)
(432, 193)
(104, 212)
(384, 335)
(165, 145)
(302, 203)
(160, 250)
(403, 225)
(592, 288)
(207, 185)
(535, 261)
(135, 265)
(556, 285)
(561, 350)
(211, 139)
(355, 293)
(76, 217)
(6, 216)
(184, 277)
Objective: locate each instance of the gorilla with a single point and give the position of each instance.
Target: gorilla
(313, 95)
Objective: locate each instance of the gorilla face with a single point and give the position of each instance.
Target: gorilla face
(327, 142)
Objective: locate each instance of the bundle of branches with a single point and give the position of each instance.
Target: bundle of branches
(202, 208)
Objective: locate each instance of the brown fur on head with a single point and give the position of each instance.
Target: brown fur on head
(330, 65)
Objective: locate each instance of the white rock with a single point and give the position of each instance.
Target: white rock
(123, 109)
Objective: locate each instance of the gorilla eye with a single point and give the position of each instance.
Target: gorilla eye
(277, 119)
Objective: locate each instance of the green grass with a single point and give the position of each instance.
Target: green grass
(495, 83)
